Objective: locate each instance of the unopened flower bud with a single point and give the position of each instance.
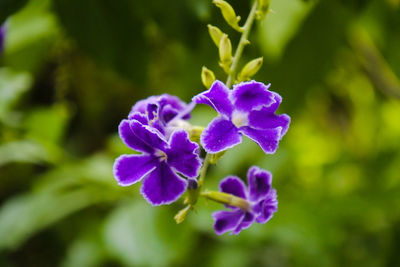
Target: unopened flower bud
(195, 132)
(181, 215)
(229, 14)
(207, 77)
(250, 69)
(263, 7)
(225, 50)
(215, 34)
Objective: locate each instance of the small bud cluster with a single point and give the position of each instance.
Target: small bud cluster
(227, 61)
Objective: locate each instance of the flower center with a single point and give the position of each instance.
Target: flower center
(240, 119)
(160, 155)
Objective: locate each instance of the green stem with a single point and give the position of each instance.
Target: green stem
(227, 199)
(203, 171)
(193, 194)
(243, 41)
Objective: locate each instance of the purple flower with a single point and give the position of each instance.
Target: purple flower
(2, 37)
(166, 113)
(260, 196)
(248, 109)
(159, 163)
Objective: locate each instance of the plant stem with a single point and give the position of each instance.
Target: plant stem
(227, 199)
(203, 171)
(243, 41)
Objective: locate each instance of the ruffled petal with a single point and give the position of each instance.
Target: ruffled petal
(227, 220)
(141, 106)
(219, 135)
(139, 117)
(162, 186)
(168, 113)
(130, 138)
(268, 139)
(152, 111)
(183, 155)
(145, 135)
(277, 101)
(234, 186)
(265, 119)
(267, 207)
(129, 169)
(247, 96)
(246, 222)
(259, 182)
(217, 97)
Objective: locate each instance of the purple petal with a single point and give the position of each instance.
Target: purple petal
(247, 96)
(233, 185)
(274, 106)
(2, 37)
(268, 139)
(139, 117)
(162, 186)
(184, 114)
(168, 113)
(227, 220)
(141, 106)
(147, 135)
(152, 111)
(219, 135)
(183, 155)
(131, 140)
(129, 169)
(171, 100)
(245, 223)
(259, 183)
(265, 119)
(267, 207)
(217, 97)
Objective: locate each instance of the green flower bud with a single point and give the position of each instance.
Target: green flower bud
(207, 77)
(229, 14)
(181, 215)
(215, 34)
(250, 69)
(195, 132)
(263, 7)
(225, 50)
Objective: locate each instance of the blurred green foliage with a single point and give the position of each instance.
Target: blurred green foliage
(72, 69)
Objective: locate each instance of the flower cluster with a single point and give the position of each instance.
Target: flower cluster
(260, 201)
(169, 162)
(165, 153)
(248, 109)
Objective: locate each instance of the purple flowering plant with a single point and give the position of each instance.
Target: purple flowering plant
(170, 162)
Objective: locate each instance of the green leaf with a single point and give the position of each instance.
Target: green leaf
(30, 34)
(279, 27)
(24, 215)
(55, 118)
(140, 235)
(23, 151)
(12, 86)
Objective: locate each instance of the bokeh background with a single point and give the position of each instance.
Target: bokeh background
(72, 69)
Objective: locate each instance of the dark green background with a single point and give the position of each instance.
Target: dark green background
(73, 68)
